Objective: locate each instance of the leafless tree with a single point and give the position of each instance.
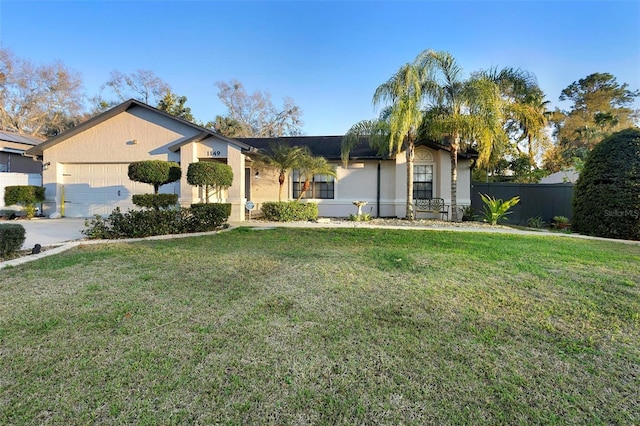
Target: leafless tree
(255, 112)
(38, 99)
(142, 85)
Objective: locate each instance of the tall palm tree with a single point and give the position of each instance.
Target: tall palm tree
(465, 110)
(279, 156)
(526, 113)
(310, 166)
(398, 125)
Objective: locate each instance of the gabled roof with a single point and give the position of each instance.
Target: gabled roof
(18, 138)
(329, 147)
(125, 106)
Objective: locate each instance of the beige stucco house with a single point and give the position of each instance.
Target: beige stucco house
(86, 167)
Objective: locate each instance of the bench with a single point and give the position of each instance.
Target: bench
(431, 205)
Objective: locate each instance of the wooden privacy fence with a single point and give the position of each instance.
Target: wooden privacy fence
(544, 200)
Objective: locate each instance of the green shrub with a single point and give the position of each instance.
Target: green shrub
(210, 175)
(496, 209)
(287, 211)
(145, 223)
(535, 222)
(24, 195)
(12, 237)
(467, 213)
(154, 172)
(155, 201)
(364, 217)
(606, 200)
(560, 219)
(208, 217)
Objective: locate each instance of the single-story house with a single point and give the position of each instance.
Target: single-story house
(13, 159)
(569, 175)
(87, 165)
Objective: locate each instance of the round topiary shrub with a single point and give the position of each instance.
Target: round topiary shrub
(211, 176)
(606, 201)
(154, 172)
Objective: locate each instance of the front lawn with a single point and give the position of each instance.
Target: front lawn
(341, 326)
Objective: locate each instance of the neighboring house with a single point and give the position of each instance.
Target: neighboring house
(565, 176)
(12, 153)
(87, 167)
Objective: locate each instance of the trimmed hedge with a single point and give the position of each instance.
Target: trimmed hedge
(154, 172)
(146, 223)
(12, 237)
(287, 211)
(210, 216)
(155, 201)
(606, 201)
(24, 195)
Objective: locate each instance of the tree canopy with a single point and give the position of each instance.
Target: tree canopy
(279, 156)
(175, 105)
(600, 107)
(255, 115)
(38, 99)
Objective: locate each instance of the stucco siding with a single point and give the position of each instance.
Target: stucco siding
(135, 135)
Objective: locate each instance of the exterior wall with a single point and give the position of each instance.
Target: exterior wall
(16, 163)
(265, 186)
(188, 193)
(13, 179)
(358, 182)
(235, 193)
(135, 135)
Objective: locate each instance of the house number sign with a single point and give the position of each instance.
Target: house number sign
(214, 153)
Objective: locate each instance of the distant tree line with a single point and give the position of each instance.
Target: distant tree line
(524, 141)
(43, 100)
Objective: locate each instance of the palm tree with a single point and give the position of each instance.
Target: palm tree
(397, 128)
(526, 113)
(310, 166)
(461, 110)
(279, 156)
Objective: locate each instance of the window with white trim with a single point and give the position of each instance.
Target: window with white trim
(422, 181)
(320, 187)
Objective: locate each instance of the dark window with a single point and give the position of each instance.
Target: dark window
(422, 182)
(321, 186)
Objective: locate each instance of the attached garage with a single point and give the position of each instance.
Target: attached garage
(91, 189)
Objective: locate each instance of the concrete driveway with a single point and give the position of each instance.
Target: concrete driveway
(47, 232)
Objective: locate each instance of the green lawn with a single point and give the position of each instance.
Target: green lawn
(347, 326)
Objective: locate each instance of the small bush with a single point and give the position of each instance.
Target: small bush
(496, 209)
(12, 237)
(208, 217)
(364, 217)
(155, 201)
(24, 195)
(535, 222)
(287, 211)
(467, 213)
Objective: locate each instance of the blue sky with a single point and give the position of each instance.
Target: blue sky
(328, 56)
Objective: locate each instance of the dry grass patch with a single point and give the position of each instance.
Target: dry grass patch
(324, 326)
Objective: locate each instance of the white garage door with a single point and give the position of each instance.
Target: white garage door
(92, 189)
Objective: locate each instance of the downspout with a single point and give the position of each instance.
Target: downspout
(378, 191)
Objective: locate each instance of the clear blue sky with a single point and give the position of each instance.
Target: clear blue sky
(328, 56)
